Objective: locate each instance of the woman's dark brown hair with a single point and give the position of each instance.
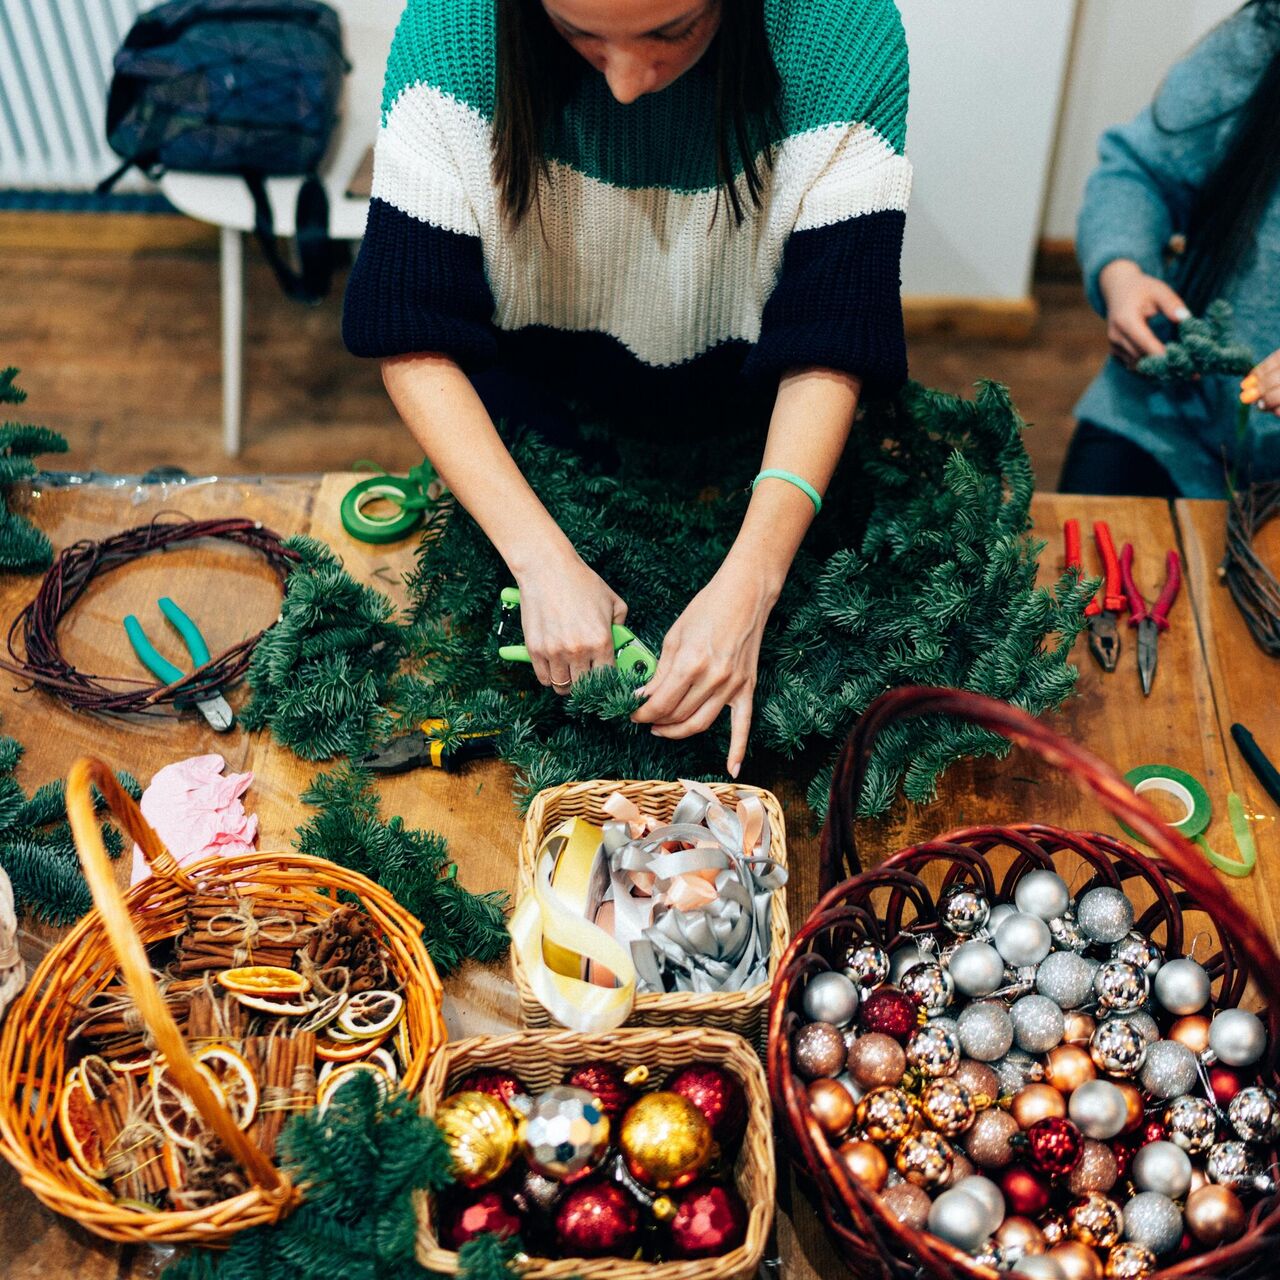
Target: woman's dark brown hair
(536, 71)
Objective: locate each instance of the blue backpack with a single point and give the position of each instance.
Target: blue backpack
(248, 87)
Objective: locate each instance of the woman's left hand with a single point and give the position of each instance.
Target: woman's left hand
(708, 662)
(1262, 386)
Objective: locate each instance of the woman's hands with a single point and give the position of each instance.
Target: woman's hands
(1132, 298)
(709, 660)
(1261, 388)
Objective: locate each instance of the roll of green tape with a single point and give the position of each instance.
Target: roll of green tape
(404, 495)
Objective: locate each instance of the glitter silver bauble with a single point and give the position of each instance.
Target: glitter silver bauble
(1104, 915)
(1162, 1167)
(1118, 1047)
(830, 997)
(1037, 1024)
(1181, 986)
(1234, 1165)
(986, 1031)
(1016, 1069)
(934, 1051)
(930, 985)
(1142, 1022)
(1042, 893)
(1067, 934)
(1169, 1071)
(964, 910)
(1098, 1109)
(903, 958)
(1255, 1114)
(999, 914)
(1066, 978)
(1023, 939)
(563, 1132)
(960, 1219)
(1138, 949)
(1121, 987)
(977, 969)
(1237, 1037)
(866, 965)
(987, 1194)
(1153, 1221)
(1191, 1123)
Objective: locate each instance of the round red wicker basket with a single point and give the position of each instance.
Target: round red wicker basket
(1178, 898)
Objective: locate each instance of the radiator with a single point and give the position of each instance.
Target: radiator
(55, 66)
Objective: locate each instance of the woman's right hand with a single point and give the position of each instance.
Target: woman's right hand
(567, 612)
(1132, 298)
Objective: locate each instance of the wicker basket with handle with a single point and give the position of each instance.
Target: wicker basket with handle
(745, 1012)
(112, 940)
(542, 1059)
(896, 901)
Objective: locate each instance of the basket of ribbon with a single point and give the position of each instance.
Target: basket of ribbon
(652, 903)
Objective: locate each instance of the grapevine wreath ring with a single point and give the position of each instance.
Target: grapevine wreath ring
(41, 660)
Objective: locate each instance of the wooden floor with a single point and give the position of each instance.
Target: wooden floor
(121, 354)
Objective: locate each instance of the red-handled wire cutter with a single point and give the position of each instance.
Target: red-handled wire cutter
(1150, 622)
(1104, 638)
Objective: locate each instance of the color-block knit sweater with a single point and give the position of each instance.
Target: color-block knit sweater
(628, 281)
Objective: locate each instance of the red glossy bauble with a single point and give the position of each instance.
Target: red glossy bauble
(606, 1082)
(1124, 1155)
(498, 1084)
(709, 1220)
(1026, 1192)
(1053, 1146)
(1153, 1131)
(718, 1094)
(596, 1219)
(890, 1011)
(1225, 1084)
(467, 1214)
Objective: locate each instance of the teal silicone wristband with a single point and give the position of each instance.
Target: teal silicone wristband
(775, 473)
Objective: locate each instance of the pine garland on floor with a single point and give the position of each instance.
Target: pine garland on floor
(413, 866)
(23, 548)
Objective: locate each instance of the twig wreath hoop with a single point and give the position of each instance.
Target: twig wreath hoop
(41, 660)
(1252, 584)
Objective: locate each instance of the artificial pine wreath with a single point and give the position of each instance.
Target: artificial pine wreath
(23, 548)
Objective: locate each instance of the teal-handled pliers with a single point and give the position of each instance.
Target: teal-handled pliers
(632, 656)
(212, 705)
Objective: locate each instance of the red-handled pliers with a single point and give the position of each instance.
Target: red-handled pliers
(1150, 622)
(1104, 638)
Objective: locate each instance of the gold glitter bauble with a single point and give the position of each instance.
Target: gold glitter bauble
(885, 1115)
(665, 1139)
(924, 1158)
(480, 1132)
(1097, 1220)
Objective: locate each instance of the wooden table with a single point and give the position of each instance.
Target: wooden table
(1210, 674)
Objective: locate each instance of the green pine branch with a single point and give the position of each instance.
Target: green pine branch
(23, 548)
(1205, 345)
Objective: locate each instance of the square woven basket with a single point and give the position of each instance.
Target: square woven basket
(744, 1012)
(542, 1058)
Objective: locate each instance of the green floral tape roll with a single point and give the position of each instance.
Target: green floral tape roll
(404, 495)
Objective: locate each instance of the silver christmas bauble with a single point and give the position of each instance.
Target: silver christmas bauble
(1016, 1069)
(1255, 1114)
(964, 909)
(991, 1254)
(563, 1132)
(903, 958)
(830, 997)
(960, 1219)
(1066, 978)
(1153, 1221)
(999, 914)
(1067, 934)
(1105, 915)
(1098, 1109)
(947, 1022)
(1234, 1165)
(986, 1031)
(1181, 986)
(1138, 949)
(1037, 1024)
(977, 969)
(1118, 1047)
(1169, 1071)
(1237, 1037)
(1121, 987)
(1023, 939)
(930, 985)
(1162, 1167)
(1018, 982)
(866, 965)
(987, 1194)
(934, 1051)
(1191, 1123)
(1042, 893)
(1142, 1022)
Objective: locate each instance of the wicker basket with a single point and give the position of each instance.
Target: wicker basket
(542, 1058)
(1175, 898)
(112, 938)
(745, 1012)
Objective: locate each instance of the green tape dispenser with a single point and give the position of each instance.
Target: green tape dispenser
(410, 495)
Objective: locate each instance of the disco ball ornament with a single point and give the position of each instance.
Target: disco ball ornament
(1169, 1071)
(891, 1012)
(1042, 893)
(947, 1106)
(1065, 978)
(1162, 1167)
(964, 910)
(1053, 1146)
(1128, 1261)
(930, 986)
(977, 969)
(1237, 1037)
(885, 1115)
(830, 997)
(934, 1051)
(1023, 939)
(1153, 1221)
(1137, 949)
(1037, 1024)
(1104, 915)
(924, 1158)
(1255, 1114)
(1191, 1123)
(480, 1132)
(665, 1139)
(564, 1132)
(1118, 1048)
(1096, 1220)
(1181, 986)
(986, 1032)
(1121, 987)
(866, 965)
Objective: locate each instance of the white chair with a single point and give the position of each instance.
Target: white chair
(367, 28)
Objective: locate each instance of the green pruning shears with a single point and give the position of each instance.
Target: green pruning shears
(633, 657)
(212, 705)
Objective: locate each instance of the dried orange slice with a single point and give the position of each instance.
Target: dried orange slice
(135, 1064)
(340, 1076)
(176, 1114)
(231, 1075)
(78, 1129)
(85, 1183)
(403, 1045)
(277, 1007)
(381, 1058)
(322, 1014)
(96, 1077)
(371, 1013)
(264, 980)
(328, 1050)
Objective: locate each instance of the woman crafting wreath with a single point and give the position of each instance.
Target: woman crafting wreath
(673, 211)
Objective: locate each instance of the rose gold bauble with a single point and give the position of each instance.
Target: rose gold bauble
(831, 1105)
(909, 1204)
(1193, 1031)
(987, 1142)
(1214, 1215)
(1078, 1261)
(1068, 1066)
(978, 1078)
(1133, 1101)
(961, 1167)
(819, 1051)
(1078, 1027)
(1097, 1169)
(876, 1060)
(1020, 1236)
(865, 1163)
(1037, 1102)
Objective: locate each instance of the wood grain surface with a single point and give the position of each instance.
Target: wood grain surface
(1209, 674)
